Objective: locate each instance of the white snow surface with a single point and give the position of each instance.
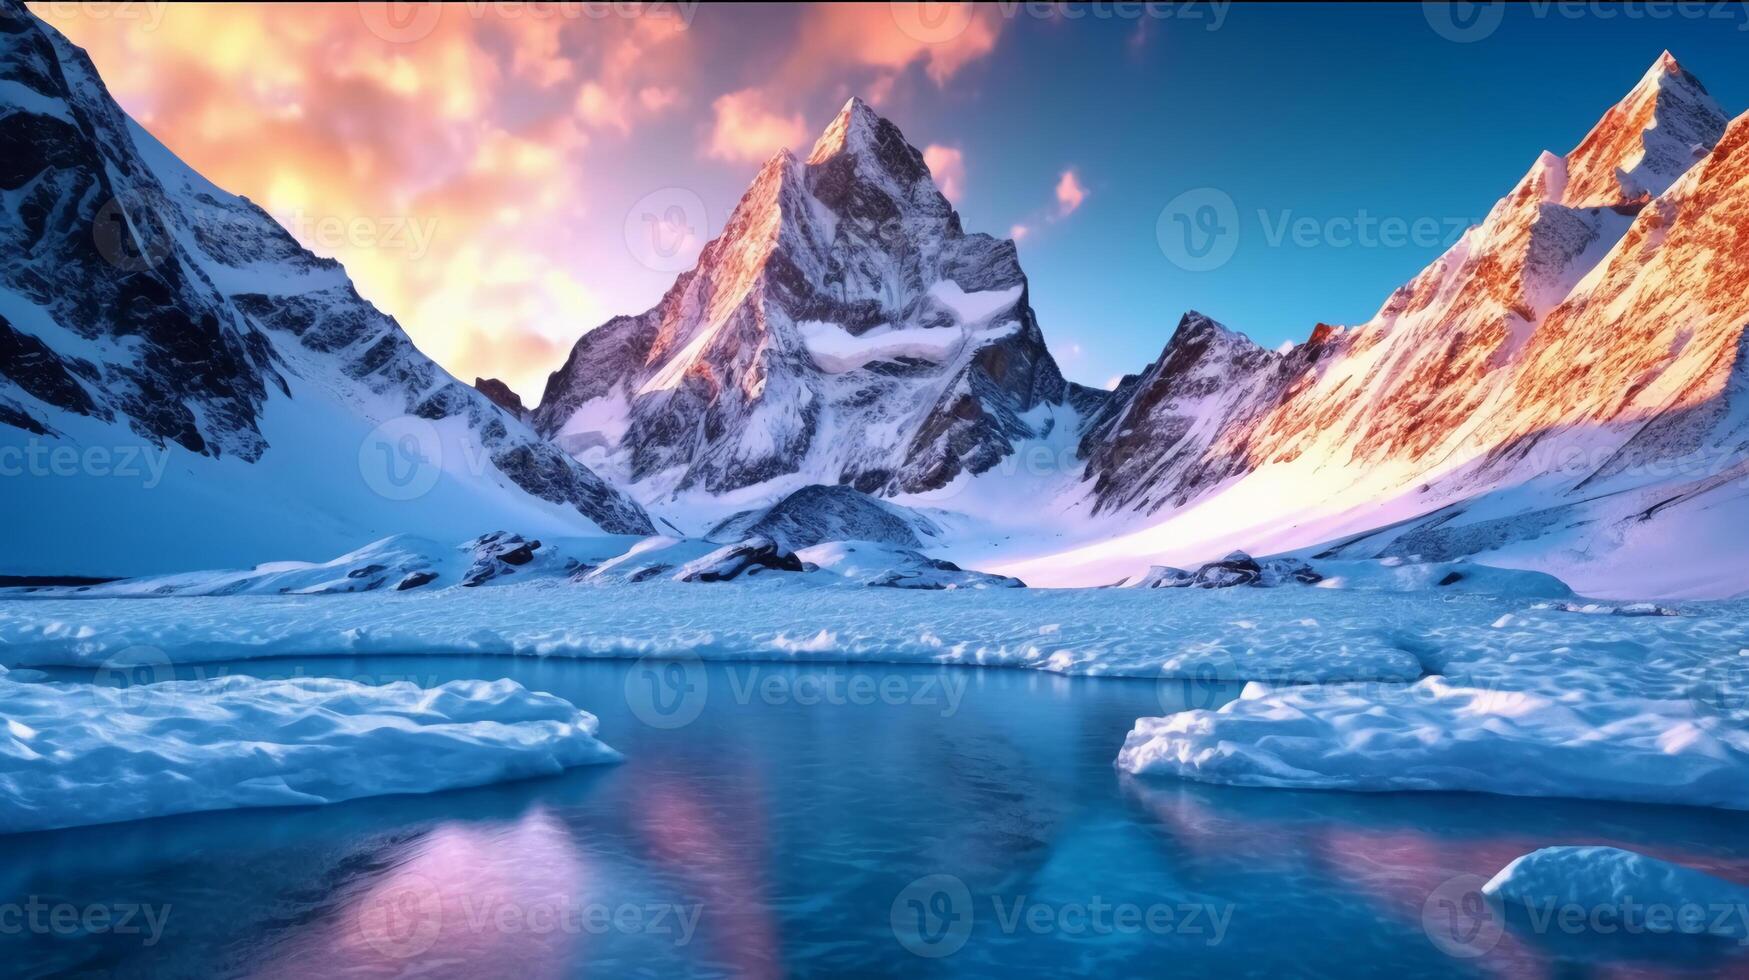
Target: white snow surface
(75, 753)
(1538, 702)
(1313, 635)
(1609, 877)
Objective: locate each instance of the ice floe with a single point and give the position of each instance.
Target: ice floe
(88, 753)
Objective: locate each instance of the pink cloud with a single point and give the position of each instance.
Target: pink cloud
(1018, 232)
(1070, 193)
(746, 130)
(948, 165)
(943, 37)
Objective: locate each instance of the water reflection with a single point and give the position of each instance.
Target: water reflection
(778, 833)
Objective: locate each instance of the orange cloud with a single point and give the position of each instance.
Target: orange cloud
(943, 37)
(948, 165)
(747, 131)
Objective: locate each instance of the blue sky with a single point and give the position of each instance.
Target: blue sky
(1297, 111)
(484, 171)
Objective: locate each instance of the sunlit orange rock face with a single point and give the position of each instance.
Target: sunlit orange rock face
(1592, 321)
(843, 329)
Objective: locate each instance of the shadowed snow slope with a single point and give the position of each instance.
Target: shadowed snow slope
(76, 754)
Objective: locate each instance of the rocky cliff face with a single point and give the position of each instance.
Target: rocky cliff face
(843, 329)
(140, 304)
(1583, 340)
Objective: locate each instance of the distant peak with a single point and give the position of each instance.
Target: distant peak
(1195, 325)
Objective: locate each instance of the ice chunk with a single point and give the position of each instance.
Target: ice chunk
(1669, 898)
(1438, 734)
(75, 754)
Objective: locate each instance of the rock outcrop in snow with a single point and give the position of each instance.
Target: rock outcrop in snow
(891, 567)
(817, 514)
(843, 329)
(149, 313)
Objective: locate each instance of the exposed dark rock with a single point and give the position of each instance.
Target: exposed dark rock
(501, 396)
(816, 514)
(746, 557)
(415, 580)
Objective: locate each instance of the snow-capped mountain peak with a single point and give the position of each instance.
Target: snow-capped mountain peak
(1645, 141)
(842, 329)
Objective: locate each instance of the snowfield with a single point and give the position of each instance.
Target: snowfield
(1308, 635)
(75, 754)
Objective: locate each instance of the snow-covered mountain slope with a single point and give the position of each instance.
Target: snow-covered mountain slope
(843, 329)
(1560, 390)
(182, 385)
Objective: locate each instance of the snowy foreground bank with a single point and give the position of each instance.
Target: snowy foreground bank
(75, 754)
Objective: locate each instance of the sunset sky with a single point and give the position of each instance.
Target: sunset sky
(489, 172)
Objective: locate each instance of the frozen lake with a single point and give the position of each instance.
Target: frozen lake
(835, 819)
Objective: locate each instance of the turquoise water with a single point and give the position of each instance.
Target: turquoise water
(830, 820)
